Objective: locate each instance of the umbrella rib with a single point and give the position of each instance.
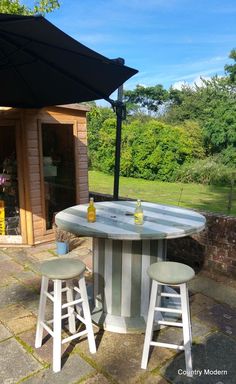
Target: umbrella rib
(58, 69)
(105, 59)
(17, 50)
(101, 57)
(22, 77)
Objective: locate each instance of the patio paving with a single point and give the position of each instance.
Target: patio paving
(118, 357)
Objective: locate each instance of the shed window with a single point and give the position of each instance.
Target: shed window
(9, 197)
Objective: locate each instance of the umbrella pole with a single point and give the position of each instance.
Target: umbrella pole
(119, 108)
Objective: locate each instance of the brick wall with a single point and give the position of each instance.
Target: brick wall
(213, 249)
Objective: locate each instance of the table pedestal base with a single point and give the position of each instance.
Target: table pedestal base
(118, 324)
(121, 283)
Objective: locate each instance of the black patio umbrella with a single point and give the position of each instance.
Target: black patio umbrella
(40, 66)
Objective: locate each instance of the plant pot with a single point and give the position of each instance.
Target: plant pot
(62, 247)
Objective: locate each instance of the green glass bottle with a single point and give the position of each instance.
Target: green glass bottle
(138, 213)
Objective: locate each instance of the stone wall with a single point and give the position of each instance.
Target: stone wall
(212, 250)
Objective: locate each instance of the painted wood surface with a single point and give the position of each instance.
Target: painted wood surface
(115, 220)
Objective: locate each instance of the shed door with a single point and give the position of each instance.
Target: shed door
(58, 168)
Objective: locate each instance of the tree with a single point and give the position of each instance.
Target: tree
(213, 106)
(18, 7)
(148, 98)
(96, 118)
(150, 150)
(231, 69)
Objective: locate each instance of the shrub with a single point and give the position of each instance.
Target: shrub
(207, 171)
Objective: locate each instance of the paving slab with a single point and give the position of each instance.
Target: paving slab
(51, 246)
(4, 332)
(17, 318)
(32, 305)
(45, 352)
(17, 254)
(200, 302)
(73, 371)
(15, 293)
(43, 255)
(15, 362)
(8, 269)
(119, 355)
(212, 363)
(97, 379)
(215, 290)
(3, 255)
(7, 280)
(29, 278)
(220, 316)
(23, 257)
(174, 335)
(152, 378)
(199, 283)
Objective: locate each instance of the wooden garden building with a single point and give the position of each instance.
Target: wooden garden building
(43, 169)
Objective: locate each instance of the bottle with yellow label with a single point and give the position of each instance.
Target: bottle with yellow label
(91, 211)
(138, 213)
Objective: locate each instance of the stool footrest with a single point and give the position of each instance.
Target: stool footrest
(80, 318)
(62, 317)
(47, 328)
(171, 323)
(72, 337)
(164, 309)
(167, 345)
(166, 294)
(66, 305)
(51, 297)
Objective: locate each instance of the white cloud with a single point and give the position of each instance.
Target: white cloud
(197, 81)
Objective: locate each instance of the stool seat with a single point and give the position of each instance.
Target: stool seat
(62, 269)
(169, 272)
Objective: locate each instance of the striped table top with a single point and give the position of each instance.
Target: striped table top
(115, 220)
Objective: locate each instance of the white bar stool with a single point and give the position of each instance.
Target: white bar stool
(59, 271)
(177, 275)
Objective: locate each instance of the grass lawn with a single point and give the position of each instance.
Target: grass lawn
(201, 197)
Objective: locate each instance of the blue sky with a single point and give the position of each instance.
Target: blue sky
(168, 41)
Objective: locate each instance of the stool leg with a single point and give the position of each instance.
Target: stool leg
(87, 315)
(186, 330)
(149, 326)
(41, 312)
(70, 298)
(57, 326)
(189, 318)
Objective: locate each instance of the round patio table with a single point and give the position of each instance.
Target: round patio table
(122, 252)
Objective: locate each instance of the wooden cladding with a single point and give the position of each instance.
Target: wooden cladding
(29, 151)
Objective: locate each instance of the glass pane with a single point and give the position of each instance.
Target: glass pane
(58, 169)
(9, 197)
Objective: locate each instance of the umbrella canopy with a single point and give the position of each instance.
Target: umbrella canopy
(41, 66)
